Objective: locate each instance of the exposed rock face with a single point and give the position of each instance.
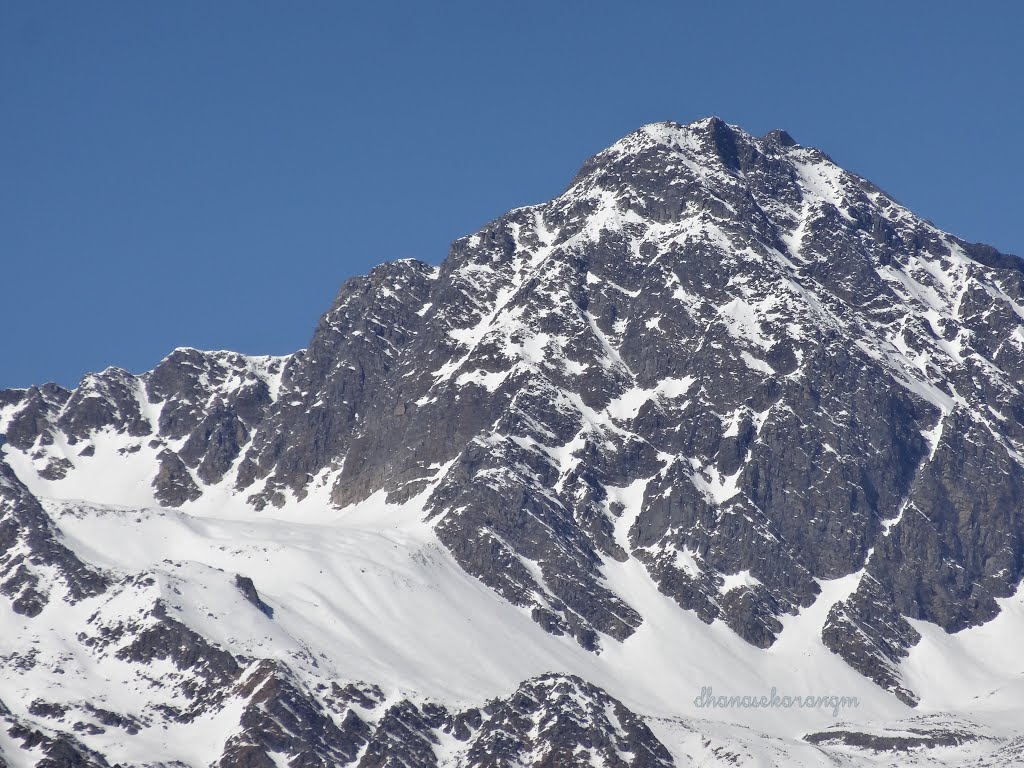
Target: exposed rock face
(32, 556)
(34, 411)
(105, 400)
(883, 636)
(560, 720)
(61, 750)
(923, 733)
(338, 396)
(173, 484)
(248, 589)
(551, 720)
(281, 718)
(717, 356)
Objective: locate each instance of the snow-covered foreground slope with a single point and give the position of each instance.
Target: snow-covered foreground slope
(722, 420)
(368, 594)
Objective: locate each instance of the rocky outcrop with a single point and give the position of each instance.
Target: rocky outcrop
(550, 720)
(34, 564)
(564, 721)
(281, 718)
(33, 413)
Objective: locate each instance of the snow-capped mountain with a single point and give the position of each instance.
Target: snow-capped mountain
(722, 416)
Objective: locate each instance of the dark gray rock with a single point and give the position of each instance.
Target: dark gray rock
(173, 484)
(33, 561)
(56, 469)
(558, 720)
(338, 397)
(207, 671)
(403, 738)
(869, 633)
(913, 736)
(110, 399)
(364, 695)
(511, 518)
(33, 419)
(248, 589)
(282, 717)
(213, 399)
(49, 750)
(40, 708)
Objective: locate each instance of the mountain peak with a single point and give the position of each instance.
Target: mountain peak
(779, 137)
(673, 135)
(719, 395)
(709, 148)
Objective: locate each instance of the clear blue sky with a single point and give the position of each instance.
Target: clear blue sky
(208, 173)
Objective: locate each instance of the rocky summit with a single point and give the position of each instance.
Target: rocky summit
(722, 415)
